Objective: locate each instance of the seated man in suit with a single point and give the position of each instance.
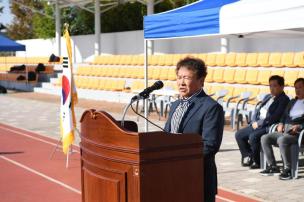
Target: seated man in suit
(196, 112)
(268, 113)
(287, 134)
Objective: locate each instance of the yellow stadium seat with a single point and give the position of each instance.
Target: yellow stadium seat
(230, 60)
(163, 73)
(252, 76)
(156, 73)
(210, 61)
(288, 59)
(128, 59)
(119, 85)
(240, 59)
(105, 71)
(87, 71)
(237, 93)
(220, 59)
(229, 75)
(240, 76)
(176, 58)
(263, 77)
(137, 85)
(135, 60)
(301, 73)
(263, 60)
(161, 60)
(137, 72)
(291, 92)
(116, 72)
(299, 59)
(2, 59)
(215, 88)
(140, 73)
(230, 92)
(278, 72)
(94, 71)
(207, 88)
(202, 56)
(251, 59)
(153, 60)
(218, 75)
(169, 60)
(93, 83)
(209, 77)
(290, 77)
(254, 93)
(101, 84)
(275, 59)
(171, 74)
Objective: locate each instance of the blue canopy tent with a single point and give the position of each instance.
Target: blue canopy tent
(199, 18)
(7, 44)
(224, 17)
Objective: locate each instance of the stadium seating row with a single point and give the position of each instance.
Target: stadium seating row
(24, 60)
(256, 76)
(211, 89)
(263, 59)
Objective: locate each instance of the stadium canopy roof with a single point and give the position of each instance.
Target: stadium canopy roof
(224, 17)
(7, 44)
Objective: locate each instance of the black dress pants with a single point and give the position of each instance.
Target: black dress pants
(249, 142)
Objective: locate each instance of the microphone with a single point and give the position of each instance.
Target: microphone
(145, 93)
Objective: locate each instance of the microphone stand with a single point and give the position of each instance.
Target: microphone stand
(125, 111)
(130, 105)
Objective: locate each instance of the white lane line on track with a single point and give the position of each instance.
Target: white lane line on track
(225, 199)
(41, 175)
(35, 138)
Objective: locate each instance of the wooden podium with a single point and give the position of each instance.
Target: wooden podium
(118, 164)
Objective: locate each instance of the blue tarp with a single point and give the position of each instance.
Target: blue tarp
(199, 18)
(7, 44)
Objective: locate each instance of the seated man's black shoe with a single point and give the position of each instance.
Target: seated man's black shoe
(286, 174)
(246, 162)
(270, 171)
(254, 165)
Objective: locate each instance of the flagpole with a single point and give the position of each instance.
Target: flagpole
(67, 158)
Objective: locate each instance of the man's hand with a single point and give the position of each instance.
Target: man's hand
(280, 128)
(255, 125)
(295, 129)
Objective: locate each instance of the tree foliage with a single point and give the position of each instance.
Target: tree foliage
(22, 25)
(28, 23)
(44, 25)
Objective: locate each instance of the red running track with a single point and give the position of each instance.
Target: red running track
(29, 175)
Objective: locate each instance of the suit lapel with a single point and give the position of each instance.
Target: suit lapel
(194, 106)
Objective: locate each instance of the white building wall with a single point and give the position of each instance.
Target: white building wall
(132, 42)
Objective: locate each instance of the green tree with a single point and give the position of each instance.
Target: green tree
(44, 25)
(80, 21)
(22, 26)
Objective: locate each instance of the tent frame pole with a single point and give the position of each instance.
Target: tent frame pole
(146, 82)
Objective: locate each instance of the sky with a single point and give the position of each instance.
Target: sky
(6, 17)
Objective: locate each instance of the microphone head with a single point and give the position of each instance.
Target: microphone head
(158, 85)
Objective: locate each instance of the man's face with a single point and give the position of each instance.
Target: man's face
(299, 88)
(275, 88)
(187, 82)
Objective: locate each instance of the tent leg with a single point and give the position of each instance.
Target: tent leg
(146, 82)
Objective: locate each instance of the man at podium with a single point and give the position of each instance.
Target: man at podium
(196, 112)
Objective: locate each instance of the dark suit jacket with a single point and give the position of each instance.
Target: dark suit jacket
(286, 119)
(205, 117)
(274, 113)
